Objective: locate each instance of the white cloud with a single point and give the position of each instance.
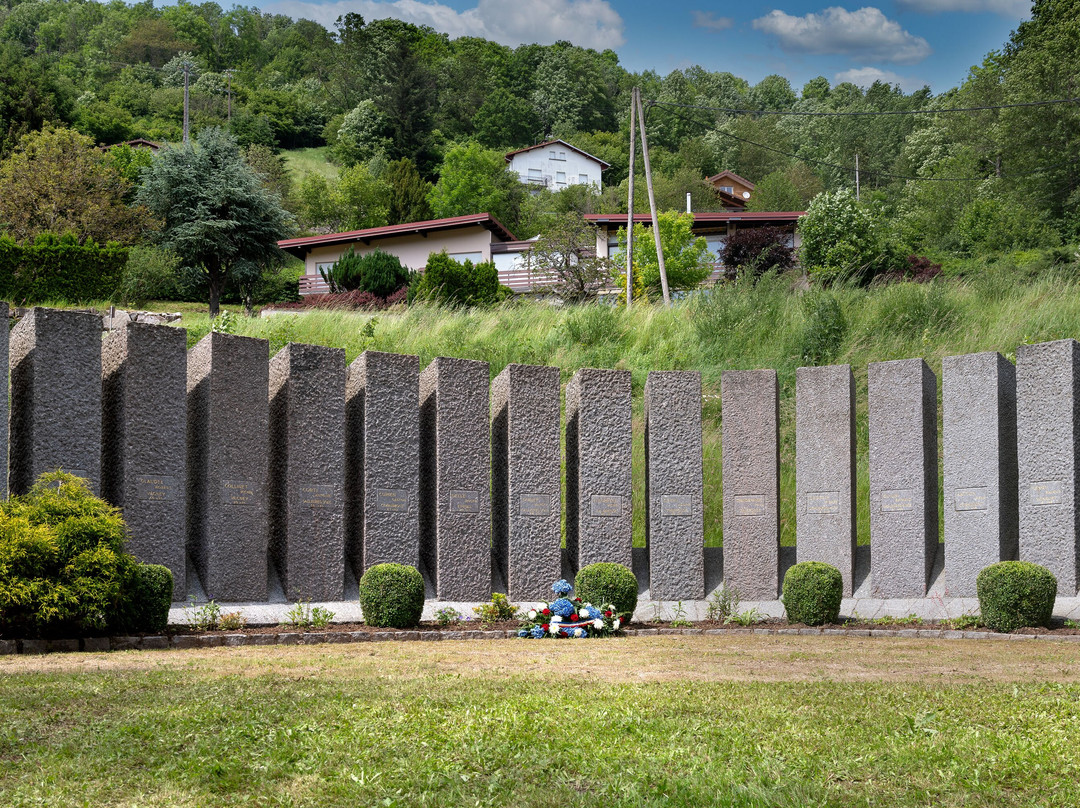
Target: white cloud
(1006, 8)
(865, 33)
(707, 19)
(588, 23)
(865, 76)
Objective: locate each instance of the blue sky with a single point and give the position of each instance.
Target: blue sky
(910, 42)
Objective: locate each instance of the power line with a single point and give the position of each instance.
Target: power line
(885, 174)
(732, 111)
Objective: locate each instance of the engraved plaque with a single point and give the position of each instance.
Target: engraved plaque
(971, 499)
(900, 499)
(392, 500)
(749, 504)
(823, 502)
(676, 505)
(313, 495)
(155, 488)
(464, 501)
(1046, 493)
(602, 505)
(237, 492)
(535, 504)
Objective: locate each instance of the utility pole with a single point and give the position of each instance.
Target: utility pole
(228, 92)
(856, 176)
(186, 67)
(652, 203)
(630, 202)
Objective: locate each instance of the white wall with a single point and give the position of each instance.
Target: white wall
(412, 249)
(540, 161)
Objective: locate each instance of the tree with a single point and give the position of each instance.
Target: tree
(756, 250)
(361, 134)
(215, 210)
(566, 252)
(505, 120)
(686, 258)
(476, 180)
(57, 182)
(408, 193)
(839, 238)
(356, 200)
(271, 168)
(378, 272)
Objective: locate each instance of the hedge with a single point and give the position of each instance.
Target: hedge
(55, 268)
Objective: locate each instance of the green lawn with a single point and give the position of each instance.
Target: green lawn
(667, 721)
(315, 160)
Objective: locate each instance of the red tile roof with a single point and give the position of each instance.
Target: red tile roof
(604, 164)
(703, 219)
(300, 246)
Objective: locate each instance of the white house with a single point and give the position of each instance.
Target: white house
(555, 164)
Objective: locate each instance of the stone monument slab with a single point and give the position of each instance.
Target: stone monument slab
(307, 471)
(750, 412)
(599, 495)
(455, 478)
(526, 508)
(903, 477)
(674, 485)
(825, 468)
(1048, 439)
(144, 441)
(55, 363)
(227, 453)
(382, 460)
(978, 393)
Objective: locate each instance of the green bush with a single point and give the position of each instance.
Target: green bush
(604, 583)
(149, 274)
(144, 608)
(52, 268)
(812, 593)
(377, 272)
(1013, 594)
(460, 282)
(392, 595)
(344, 275)
(63, 568)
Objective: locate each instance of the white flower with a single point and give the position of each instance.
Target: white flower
(532, 614)
(583, 612)
(616, 623)
(556, 618)
(554, 629)
(579, 632)
(598, 624)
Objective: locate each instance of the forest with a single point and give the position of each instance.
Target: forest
(415, 124)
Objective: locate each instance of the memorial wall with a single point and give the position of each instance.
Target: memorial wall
(248, 469)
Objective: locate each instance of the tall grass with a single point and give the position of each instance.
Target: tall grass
(738, 326)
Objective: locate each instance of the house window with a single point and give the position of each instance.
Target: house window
(323, 267)
(583, 179)
(562, 155)
(553, 157)
(560, 178)
(727, 189)
(536, 176)
(461, 258)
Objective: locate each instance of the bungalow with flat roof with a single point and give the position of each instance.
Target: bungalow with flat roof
(463, 237)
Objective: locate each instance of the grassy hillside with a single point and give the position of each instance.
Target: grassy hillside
(734, 327)
(315, 160)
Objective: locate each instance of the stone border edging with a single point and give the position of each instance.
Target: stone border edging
(180, 641)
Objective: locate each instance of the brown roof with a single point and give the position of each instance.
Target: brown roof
(137, 143)
(300, 246)
(730, 175)
(604, 164)
(703, 220)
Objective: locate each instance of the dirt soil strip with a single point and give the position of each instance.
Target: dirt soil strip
(624, 660)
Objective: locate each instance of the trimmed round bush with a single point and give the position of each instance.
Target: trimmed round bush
(603, 583)
(812, 593)
(144, 607)
(392, 596)
(1013, 594)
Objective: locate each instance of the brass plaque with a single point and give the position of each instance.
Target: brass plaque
(749, 504)
(970, 499)
(392, 500)
(464, 501)
(900, 499)
(155, 488)
(314, 495)
(604, 505)
(676, 505)
(535, 504)
(823, 502)
(237, 492)
(1046, 493)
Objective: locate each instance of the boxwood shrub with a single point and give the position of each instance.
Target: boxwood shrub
(604, 583)
(1013, 594)
(144, 607)
(392, 595)
(812, 592)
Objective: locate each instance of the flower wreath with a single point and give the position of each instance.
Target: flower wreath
(569, 617)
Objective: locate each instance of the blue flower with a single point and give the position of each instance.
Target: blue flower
(561, 587)
(594, 613)
(563, 607)
(523, 633)
(537, 632)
